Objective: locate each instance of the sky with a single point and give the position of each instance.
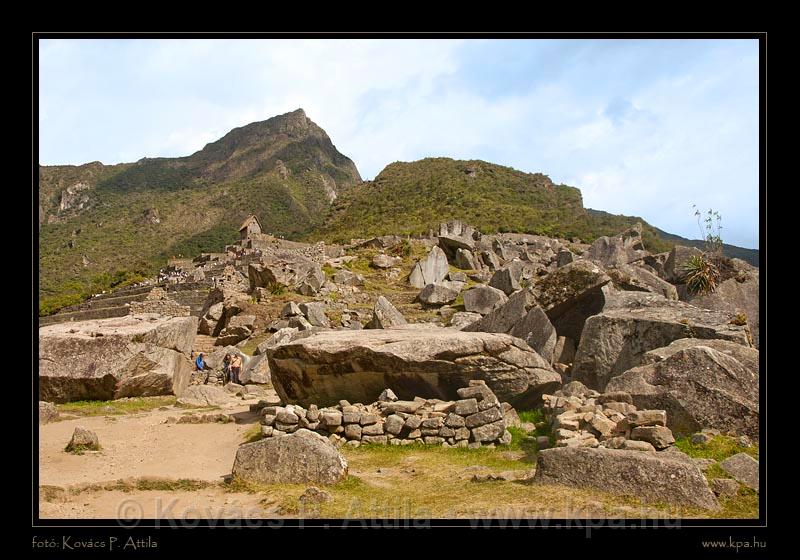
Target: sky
(643, 127)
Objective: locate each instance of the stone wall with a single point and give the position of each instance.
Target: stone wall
(477, 419)
(158, 302)
(581, 417)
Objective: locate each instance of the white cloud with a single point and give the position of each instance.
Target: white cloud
(640, 139)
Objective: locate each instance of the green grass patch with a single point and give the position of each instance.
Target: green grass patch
(532, 416)
(253, 342)
(718, 448)
(128, 405)
(144, 484)
(81, 449)
(253, 434)
(741, 506)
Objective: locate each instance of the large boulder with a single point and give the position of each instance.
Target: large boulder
(674, 267)
(412, 361)
(537, 330)
(83, 439)
(504, 317)
(433, 268)
(135, 355)
(508, 279)
(735, 295)
(385, 315)
(615, 340)
(466, 260)
(281, 336)
(205, 395)
(315, 313)
(637, 278)
(47, 412)
(699, 386)
(440, 293)
(232, 335)
(651, 477)
(743, 468)
(383, 260)
(483, 299)
(747, 356)
(462, 319)
(618, 250)
(452, 243)
(297, 458)
(571, 294)
(288, 269)
(520, 317)
(256, 370)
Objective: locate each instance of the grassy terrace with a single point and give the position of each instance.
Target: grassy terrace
(431, 481)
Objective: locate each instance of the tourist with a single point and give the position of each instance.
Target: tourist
(226, 368)
(236, 367)
(199, 362)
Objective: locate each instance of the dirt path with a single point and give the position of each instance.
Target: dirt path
(209, 503)
(140, 445)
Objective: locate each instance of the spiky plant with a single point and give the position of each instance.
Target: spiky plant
(701, 275)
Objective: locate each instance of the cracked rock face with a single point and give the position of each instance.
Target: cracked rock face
(427, 362)
(699, 385)
(615, 340)
(135, 355)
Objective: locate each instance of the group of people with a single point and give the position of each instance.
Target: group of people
(231, 367)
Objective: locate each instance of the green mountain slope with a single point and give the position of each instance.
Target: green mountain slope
(412, 198)
(102, 225)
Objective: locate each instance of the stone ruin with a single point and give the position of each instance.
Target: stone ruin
(581, 417)
(157, 301)
(477, 419)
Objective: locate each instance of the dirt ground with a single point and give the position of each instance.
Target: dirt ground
(140, 445)
(149, 469)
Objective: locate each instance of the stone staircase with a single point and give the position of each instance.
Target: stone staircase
(116, 304)
(103, 306)
(204, 343)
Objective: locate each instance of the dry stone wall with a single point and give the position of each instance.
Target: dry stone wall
(478, 418)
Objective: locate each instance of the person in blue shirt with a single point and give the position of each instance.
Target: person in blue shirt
(199, 362)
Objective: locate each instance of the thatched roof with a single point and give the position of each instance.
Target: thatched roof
(248, 221)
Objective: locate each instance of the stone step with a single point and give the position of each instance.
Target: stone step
(204, 343)
(101, 303)
(128, 291)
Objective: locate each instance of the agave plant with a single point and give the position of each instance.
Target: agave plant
(701, 275)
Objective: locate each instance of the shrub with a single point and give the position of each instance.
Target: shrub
(702, 275)
(276, 289)
(740, 319)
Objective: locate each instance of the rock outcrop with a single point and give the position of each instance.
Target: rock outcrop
(571, 294)
(615, 340)
(287, 269)
(433, 268)
(619, 250)
(135, 355)
(652, 477)
(429, 362)
(699, 387)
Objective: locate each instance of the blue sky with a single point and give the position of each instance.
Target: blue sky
(642, 127)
